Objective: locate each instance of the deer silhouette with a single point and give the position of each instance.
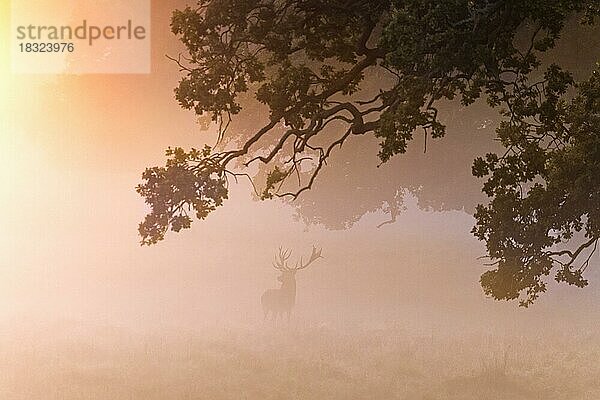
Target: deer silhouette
(282, 300)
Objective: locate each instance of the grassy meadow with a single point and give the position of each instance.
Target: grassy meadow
(70, 361)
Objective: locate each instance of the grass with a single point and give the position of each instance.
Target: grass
(300, 363)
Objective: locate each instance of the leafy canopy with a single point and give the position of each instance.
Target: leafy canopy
(308, 62)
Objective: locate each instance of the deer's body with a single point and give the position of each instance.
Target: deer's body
(281, 301)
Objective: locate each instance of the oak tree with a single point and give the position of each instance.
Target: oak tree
(330, 71)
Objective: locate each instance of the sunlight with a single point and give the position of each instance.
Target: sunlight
(376, 267)
(4, 56)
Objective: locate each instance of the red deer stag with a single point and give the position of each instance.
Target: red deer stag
(282, 300)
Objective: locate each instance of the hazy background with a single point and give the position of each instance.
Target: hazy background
(72, 150)
(390, 312)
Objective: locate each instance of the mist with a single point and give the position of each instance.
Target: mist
(392, 310)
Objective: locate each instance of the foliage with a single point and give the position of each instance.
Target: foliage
(306, 62)
(190, 181)
(545, 189)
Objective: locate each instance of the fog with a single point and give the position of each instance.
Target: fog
(71, 252)
(86, 312)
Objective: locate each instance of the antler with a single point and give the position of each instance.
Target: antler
(314, 256)
(280, 262)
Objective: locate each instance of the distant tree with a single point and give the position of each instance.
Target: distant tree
(306, 62)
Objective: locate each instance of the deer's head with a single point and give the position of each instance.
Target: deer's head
(288, 273)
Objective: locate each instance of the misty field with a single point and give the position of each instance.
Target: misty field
(73, 362)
